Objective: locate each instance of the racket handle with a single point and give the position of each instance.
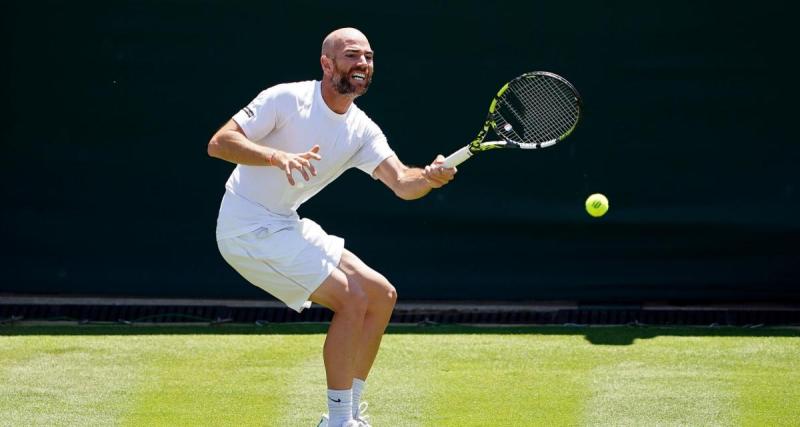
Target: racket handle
(457, 158)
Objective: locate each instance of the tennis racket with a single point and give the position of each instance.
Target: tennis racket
(535, 110)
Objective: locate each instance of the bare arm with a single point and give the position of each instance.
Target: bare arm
(229, 143)
(411, 183)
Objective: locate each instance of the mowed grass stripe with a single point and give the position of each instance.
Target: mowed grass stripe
(402, 383)
(305, 386)
(66, 380)
(200, 380)
(696, 380)
(639, 394)
(769, 387)
(506, 380)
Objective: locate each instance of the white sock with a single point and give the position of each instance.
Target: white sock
(358, 388)
(340, 403)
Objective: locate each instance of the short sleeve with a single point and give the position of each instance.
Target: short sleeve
(374, 150)
(260, 116)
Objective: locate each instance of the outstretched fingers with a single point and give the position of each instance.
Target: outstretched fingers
(301, 162)
(313, 153)
(287, 169)
(309, 155)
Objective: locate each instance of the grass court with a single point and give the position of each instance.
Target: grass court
(272, 375)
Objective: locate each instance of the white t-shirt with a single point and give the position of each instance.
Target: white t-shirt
(293, 117)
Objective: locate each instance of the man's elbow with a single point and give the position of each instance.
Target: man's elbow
(214, 147)
(403, 195)
(407, 194)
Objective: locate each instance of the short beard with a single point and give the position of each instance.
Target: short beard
(342, 85)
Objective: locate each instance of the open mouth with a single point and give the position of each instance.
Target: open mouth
(359, 76)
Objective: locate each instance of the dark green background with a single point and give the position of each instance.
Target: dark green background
(688, 128)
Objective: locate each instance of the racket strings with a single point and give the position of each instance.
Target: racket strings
(549, 114)
(553, 93)
(536, 109)
(552, 113)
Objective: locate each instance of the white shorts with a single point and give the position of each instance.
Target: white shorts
(289, 262)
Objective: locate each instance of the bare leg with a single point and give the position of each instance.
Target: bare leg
(382, 297)
(374, 326)
(349, 303)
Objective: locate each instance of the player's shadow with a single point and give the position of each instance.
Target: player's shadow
(617, 334)
(629, 335)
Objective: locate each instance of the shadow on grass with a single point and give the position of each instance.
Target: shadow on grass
(599, 335)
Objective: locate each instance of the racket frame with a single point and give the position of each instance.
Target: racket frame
(478, 144)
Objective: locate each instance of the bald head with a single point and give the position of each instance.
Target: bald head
(336, 41)
(346, 62)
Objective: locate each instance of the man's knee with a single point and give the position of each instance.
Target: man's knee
(386, 297)
(356, 302)
(342, 295)
(392, 295)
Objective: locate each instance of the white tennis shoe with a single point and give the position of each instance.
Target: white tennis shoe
(362, 416)
(352, 423)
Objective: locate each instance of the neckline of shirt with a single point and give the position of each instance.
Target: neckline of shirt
(332, 114)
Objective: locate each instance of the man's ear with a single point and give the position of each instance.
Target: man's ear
(327, 65)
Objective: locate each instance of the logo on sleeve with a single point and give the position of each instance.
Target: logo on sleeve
(248, 111)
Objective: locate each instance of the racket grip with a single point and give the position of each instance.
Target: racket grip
(457, 158)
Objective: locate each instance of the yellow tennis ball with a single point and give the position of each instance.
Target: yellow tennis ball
(597, 205)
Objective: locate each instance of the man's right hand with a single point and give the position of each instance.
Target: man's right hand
(300, 161)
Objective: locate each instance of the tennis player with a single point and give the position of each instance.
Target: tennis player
(289, 143)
